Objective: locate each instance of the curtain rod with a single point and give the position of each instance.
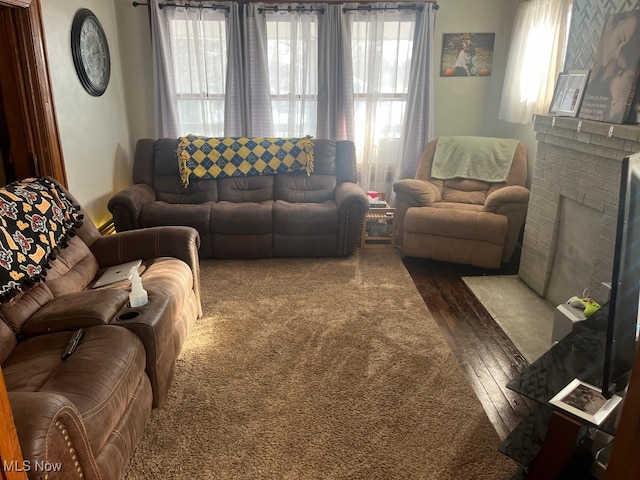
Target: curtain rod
(290, 9)
(301, 8)
(369, 8)
(186, 5)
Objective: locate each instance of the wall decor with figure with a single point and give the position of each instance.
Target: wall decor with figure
(614, 75)
(587, 21)
(467, 54)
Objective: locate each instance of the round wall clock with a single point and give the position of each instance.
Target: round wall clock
(90, 52)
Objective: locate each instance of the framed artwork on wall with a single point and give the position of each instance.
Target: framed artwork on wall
(467, 54)
(610, 91)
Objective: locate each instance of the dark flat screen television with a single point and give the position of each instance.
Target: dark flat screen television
(622, 325)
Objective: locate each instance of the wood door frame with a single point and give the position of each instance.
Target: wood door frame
(36, 102)
(36, 115)
(10, 451)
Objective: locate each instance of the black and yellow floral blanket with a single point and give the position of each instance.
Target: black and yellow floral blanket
(36, 219)
(223, 157)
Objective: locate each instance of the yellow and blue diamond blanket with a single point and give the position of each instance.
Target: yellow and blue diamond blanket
(36, 219)
(223, 157)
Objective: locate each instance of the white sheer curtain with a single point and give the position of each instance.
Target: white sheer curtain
(536, 56)
(190, 64)
(382, 45)
(292, 49)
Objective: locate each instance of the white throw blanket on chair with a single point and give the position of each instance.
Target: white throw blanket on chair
(480, 158)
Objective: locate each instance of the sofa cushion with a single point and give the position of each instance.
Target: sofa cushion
(246, 189)
(16, 311)
(169, 189)
(73, 269)
(76, 310)
(462, 223)
(100, 378)
(299, 187)
(242, 218)
(163, 213)
(456, 196)
(305, 218)
(461, 190)
(165, 157)
(324, 157)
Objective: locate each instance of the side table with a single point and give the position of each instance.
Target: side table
(379, 229)
(545, 440)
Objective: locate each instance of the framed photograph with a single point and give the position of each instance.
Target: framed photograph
(467, 54)
(558, 92)
(571, 98)
(610, 91)
(585, 401)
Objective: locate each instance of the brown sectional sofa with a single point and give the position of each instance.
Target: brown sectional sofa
(88, 412)
(288, 214)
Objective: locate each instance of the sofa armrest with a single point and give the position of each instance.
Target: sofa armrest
(416, 193)
(51, 432)
(512, 198)
(348, 192)
(125, 206)
(75, 310)
(145, 243)
(352, 204)
(166, 241)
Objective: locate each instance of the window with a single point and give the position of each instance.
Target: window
(292, 44)
(381, 50)
(199, 54)
(536, 56)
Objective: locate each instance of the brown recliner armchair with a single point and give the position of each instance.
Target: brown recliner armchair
(81, 415)
(462, 220)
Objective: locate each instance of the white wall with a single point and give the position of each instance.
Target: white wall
(94, 131)
(137, 68)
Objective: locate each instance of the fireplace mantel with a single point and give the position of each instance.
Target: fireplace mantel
(577, 169)
(587, 136)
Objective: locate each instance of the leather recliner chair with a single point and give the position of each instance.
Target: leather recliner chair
(85, 414)
(462, 220)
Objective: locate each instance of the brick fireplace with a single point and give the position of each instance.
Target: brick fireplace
(569, 234)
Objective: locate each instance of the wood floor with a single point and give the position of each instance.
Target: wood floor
(482, 349)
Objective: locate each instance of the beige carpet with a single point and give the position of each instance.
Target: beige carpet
(525, 317)
(317, 369)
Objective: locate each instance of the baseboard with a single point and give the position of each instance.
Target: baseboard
(107, 228)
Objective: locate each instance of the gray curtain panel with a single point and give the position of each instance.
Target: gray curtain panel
(335, 75)
(417, 129)
(235, 105)
(166, 117)
(247, 100)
